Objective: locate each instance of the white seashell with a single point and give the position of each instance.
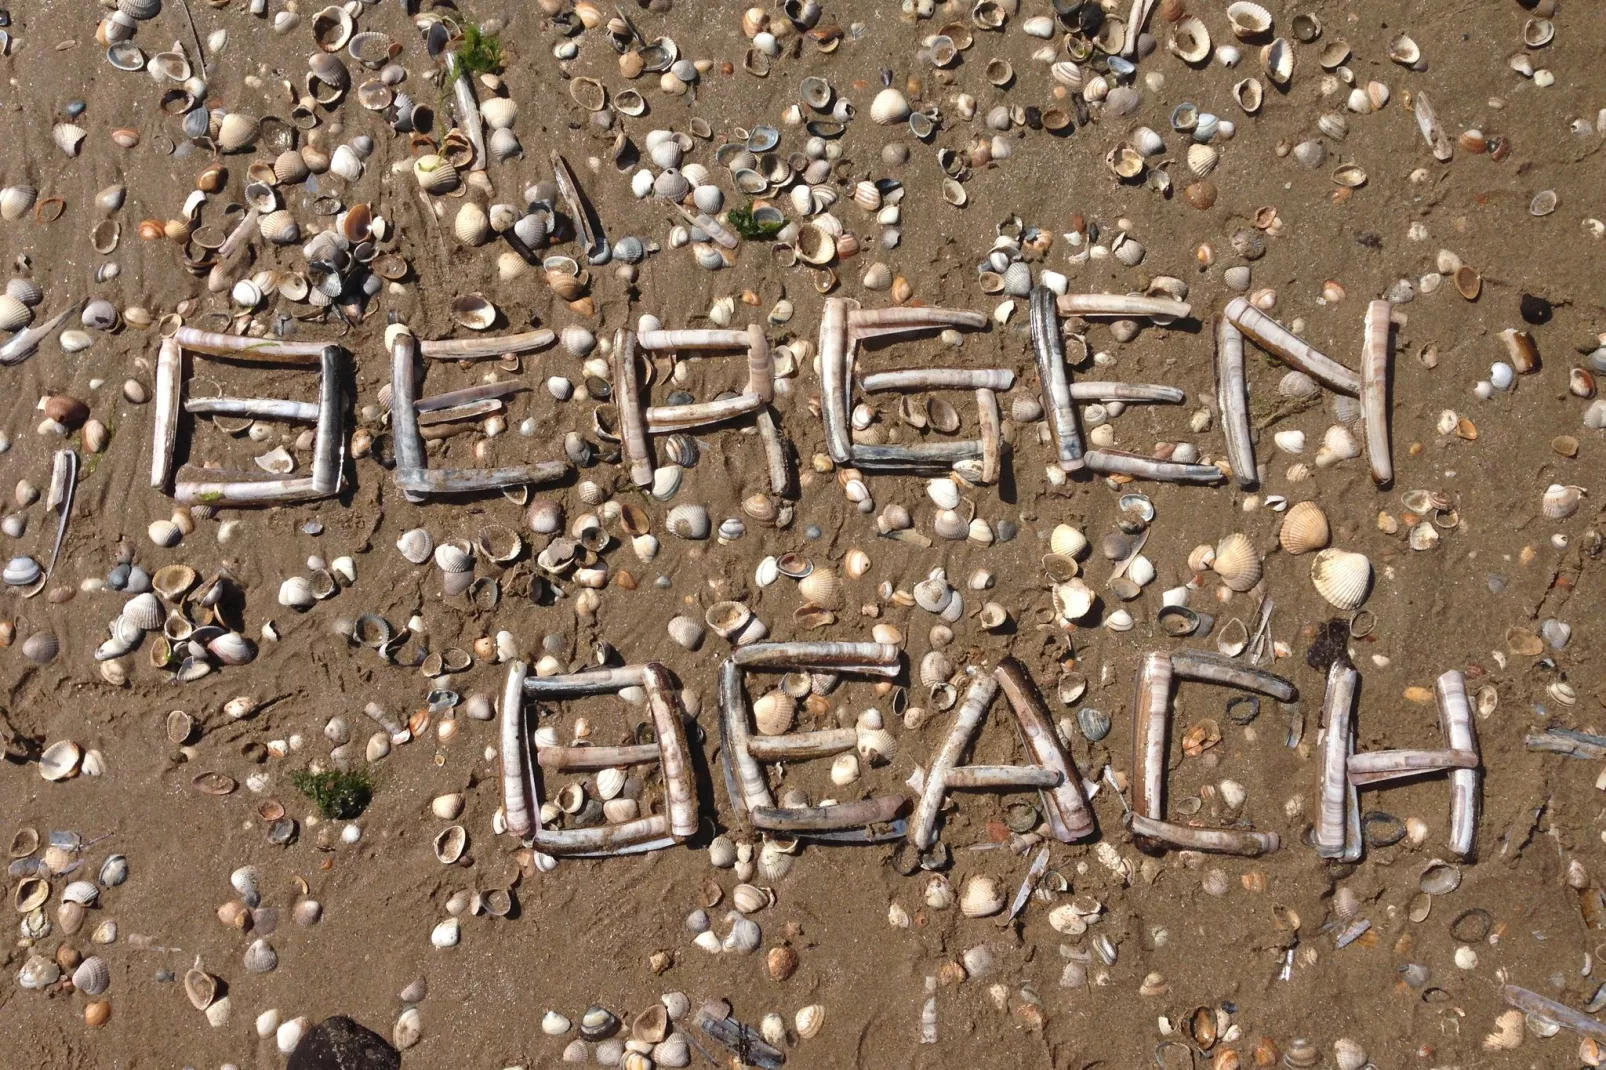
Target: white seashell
(260, 957)
(164, 533)
(435, 174)
(773, 712)
(1290, 441)
(577, 340)
(409, 1029)
(296, 593)
(1202, 159)
(288, 1036)
(943, 492)
(1342, 578)
(93, 976)
(1073, 600)
(237, 131)
(688, 521)
(472, 226)
(69, 137)
(889, 106)
(144, 612)
(416, 545)
(1560, 502)
(1067, 541)
(450, 557)
(447, 934)
(981, 897)
(809, 1021)
(15, 201)
(1237, 562)
(1248, 19)
(499, 112)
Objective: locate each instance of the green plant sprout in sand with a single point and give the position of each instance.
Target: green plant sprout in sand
(753, 229)
(480, 53)
(340, 796)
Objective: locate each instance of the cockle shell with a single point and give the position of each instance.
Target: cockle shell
(889, 106)
(981, 897)
(472, 226)
(1560, 502)
(1304, 528)
(773, 712)
(15, 201)
(1341, 577)
(237, 131)
(1248, 19)
(1237, 562)
(416, 545)
(435, 174)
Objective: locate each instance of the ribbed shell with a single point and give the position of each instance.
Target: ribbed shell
(435, 174)
(1304, 529)
(237, 131)
(449, 557)
(14, 315)
(1342, 577)
(416, 545)
(822, 587)
(69, 137)
(472, 226)
(1202, 159)
(290, 168)
(688, 632)
(93, 976)
(773, 712)
(144, 612)
(1248, 19)
(504, 145)
(15, 201)
(280, 228)
(1237, 562)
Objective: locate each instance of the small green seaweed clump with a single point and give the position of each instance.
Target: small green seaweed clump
(338, 795)
(480, 53)
(753, 229)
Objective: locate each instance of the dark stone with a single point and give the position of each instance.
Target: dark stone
(1535, 309)
(339, 1043)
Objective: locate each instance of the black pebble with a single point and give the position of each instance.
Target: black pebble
(1535, 309)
